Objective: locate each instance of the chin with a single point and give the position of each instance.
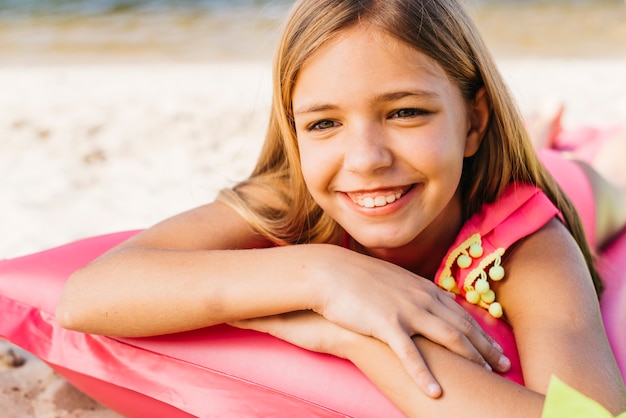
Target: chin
(382, 242)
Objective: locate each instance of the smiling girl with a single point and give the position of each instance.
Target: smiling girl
(394, 157)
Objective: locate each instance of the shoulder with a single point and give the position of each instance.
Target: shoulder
(554, 311)
(488, 235)
(547, 276)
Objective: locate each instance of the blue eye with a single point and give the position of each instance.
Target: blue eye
(322, 125)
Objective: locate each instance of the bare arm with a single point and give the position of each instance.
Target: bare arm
(551, 304)
(180, 275)
(553, 309)
(207, 266)
(469, 390)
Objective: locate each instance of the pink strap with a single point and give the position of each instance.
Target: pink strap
(521, 210)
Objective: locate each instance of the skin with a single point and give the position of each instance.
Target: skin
(372, 296)
(559, 326)
(365, 302)
(385, 129)
(352, 141)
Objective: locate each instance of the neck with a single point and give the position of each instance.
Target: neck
(424, 254)
(422, 258)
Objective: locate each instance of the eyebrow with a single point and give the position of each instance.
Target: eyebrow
(383, 97)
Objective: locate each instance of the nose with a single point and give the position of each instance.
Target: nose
(367, 150)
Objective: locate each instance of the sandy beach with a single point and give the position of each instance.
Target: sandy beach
(92, 144)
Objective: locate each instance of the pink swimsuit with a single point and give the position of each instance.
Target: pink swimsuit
(472, 263)
(522, 210)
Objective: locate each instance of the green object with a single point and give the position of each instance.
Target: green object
(563, 401)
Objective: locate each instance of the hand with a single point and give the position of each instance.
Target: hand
(382, 300)
(305, 329)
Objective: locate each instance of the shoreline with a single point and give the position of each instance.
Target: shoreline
(194, 33)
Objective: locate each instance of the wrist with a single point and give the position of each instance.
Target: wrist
(344, 343)
(320, 275)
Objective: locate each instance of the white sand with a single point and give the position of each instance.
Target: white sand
(89, 149)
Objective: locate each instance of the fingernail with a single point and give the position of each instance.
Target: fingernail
(498, 346)
(433, 389)
(504, 363)
(488, 367)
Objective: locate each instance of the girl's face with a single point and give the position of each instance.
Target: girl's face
(382, 133)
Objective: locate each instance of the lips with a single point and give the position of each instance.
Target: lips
(377, 198)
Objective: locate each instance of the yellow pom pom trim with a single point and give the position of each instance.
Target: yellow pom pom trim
(476, 284)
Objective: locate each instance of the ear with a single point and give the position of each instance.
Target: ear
(479, 112)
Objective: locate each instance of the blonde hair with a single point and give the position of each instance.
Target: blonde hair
(442, 30)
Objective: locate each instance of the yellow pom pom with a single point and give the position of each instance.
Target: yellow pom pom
(472, 297)
(448, 283)
(496, 273)
(488, 296)
(495, 310)
(476, 250)
(481, 286)
(464, 261)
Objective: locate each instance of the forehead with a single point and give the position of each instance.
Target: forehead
(365, 57)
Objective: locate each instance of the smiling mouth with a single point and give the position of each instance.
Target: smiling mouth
(377, 199)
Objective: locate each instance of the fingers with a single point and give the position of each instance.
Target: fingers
(456, 329)
(416, 367)
(462, 335)
(256, 324)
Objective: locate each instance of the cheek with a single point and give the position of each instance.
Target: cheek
(434, 150)
(310, 167)
(305, 160)
(319, 164)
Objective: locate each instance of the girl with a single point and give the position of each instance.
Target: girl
(391, 134)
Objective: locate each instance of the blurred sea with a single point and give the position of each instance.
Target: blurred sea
(96, 31)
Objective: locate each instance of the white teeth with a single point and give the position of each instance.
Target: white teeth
(378, 201)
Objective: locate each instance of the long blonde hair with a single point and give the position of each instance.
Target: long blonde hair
(442, 30)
